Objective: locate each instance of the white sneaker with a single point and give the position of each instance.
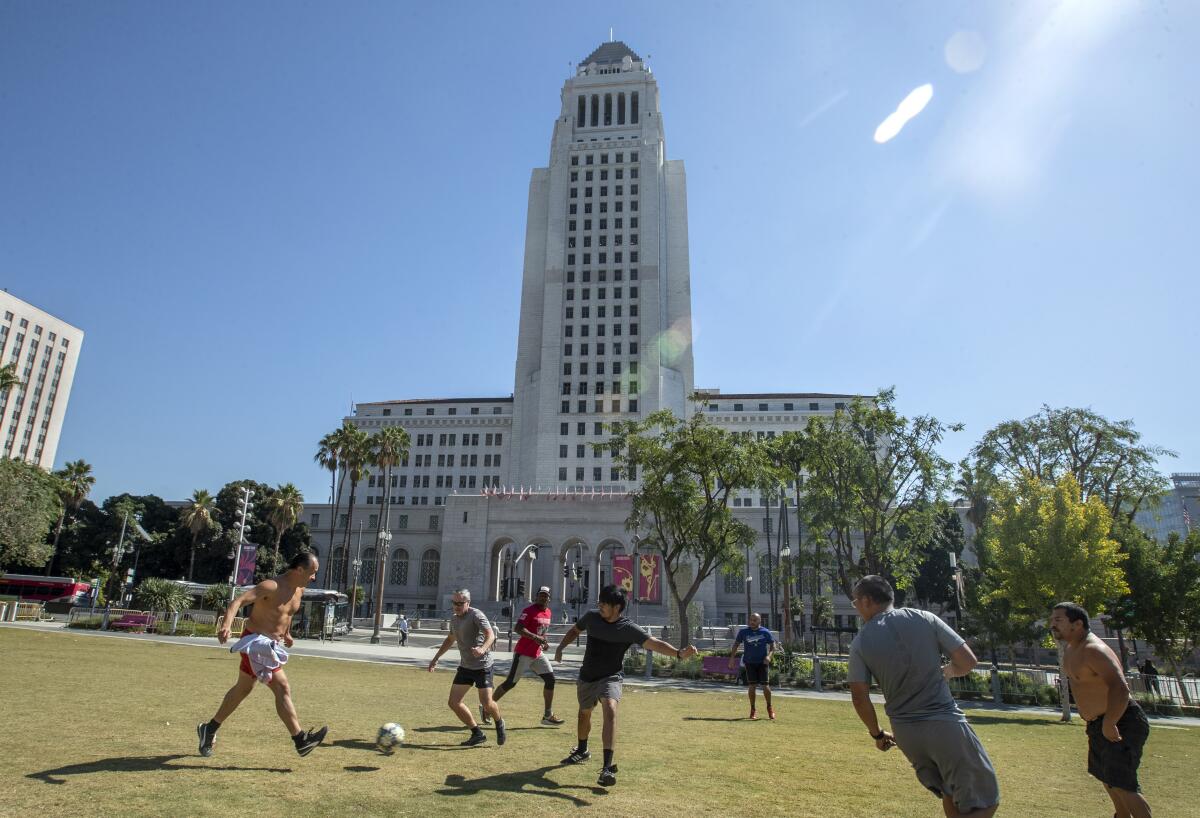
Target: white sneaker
(484, 718)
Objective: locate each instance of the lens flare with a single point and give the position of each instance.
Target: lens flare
(912, 105)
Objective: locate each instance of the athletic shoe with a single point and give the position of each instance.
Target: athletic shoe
(207, 739)
(551, 720)
(753, 716)
(576, 757)
(501, 733)
(484, 716)
(608, 776)
(476, 738)
(311, 741)
(771, 713)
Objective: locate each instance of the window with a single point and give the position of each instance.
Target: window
(737, 407)
(562, 450)
(813, 407)
(402, 519)
(314, 520)
(430, 563)
(837, 406)
(429, 411)
(762, 407)
(579, 473)
(564, 428)
(787, 407)
(398, 572)
(562, 473)
(433, 522)
(565, 408)
(633, 406)
(408, 411)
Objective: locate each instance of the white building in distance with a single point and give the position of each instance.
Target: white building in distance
(605, 335)
(44, 350)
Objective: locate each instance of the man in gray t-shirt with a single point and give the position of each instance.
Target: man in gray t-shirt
(470, 629)
(902, 649)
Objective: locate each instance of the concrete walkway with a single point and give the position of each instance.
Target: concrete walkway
(356, 647)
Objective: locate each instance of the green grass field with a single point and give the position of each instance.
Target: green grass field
(97, 726)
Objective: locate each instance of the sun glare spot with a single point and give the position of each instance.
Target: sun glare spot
(912, 105)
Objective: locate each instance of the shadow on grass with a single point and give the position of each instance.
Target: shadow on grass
(458, 728)
(359, 768)
(355, 744)
(715, 718)
(138, 764)
(529, 782)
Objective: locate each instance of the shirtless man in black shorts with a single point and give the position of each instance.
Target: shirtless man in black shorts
(1117, 728)
(275, 602)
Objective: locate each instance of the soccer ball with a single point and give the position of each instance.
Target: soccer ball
(390, 735)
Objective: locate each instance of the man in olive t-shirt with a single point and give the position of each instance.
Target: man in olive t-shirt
(610, 634)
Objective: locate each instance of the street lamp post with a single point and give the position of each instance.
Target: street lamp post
(749, 579)
(381, 553)
(530, 551)
(785, 554)
(770, 561)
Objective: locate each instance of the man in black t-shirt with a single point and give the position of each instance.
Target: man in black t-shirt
(610, 634)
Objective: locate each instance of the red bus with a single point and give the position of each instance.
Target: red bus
(44, 589)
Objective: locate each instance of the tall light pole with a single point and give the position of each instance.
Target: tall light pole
(357, 567)
(785, 554)
(244, 506)
(381, 553)
(530, 551)
(749, 579)
(770, 558)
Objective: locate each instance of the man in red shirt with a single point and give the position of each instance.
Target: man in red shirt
(532, 627)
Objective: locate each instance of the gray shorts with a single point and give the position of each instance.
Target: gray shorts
(590, 693)
(949, 760)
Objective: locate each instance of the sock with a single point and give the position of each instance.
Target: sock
(549, 712)
(582, 746)
(213, 726)
(499, 723)
(299, 738)
(608, 758)
(475, 730)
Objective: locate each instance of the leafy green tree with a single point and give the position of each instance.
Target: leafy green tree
(873, 475)
(1164, 598)
(934, 583)
(389, 446)
(1107, 459)
(283, 507)
(355, 447)
(29, 504)
(217, 597)
(1047, 545)
(9, 378)
(75, 483)
(161, 595)
(197, 518)
(688, 471)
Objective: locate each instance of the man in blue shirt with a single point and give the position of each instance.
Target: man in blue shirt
(758, 644)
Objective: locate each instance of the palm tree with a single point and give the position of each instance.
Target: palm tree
(329, 456)
(356, 460)
(283, 508)
(8, 377)
(388, 447)
(972, 488)
(197, 518)
(75, 483)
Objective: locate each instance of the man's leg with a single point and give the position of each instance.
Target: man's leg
(283, 702)
(951, 810)
(548, 699)
(1129, 804)
(510, 681)
(583, 725)
(751, 690)
(234, 696)
(455, 703)
(608, 773)
(488, 704)
(767, 695)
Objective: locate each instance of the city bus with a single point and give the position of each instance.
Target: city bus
(35, 588)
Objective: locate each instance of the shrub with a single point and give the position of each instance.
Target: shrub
(154, 594)
(216, 598)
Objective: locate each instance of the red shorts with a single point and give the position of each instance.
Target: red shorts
(245, 664)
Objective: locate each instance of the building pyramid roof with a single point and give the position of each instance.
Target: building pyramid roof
(610, 52)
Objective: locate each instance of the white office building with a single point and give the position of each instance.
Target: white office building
(44, 350)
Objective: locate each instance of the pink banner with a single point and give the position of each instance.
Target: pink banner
(648, 577)
(246, 563)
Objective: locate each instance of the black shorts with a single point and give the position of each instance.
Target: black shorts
(756, 673)
(1115, 763)
(479, 678)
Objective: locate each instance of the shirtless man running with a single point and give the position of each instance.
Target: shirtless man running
(275, 601)
(1116, 726)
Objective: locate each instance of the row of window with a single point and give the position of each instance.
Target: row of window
(619, 173)
(585, 330)
(602, 311)
(581, 407)
(468, 439)
(616, 368)
(618, 257)
(602, 276)
(37, 330)
(585, 293)
(584, 349)
(581, 388)
(590, 158)
(613, 110)
(762, 407)
(397, 573)
(452, 410)
(614, 474)
(618, 207)
(602, 240)
(590, 192)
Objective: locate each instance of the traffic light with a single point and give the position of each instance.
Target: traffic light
(506, 611)
(566, 571)
(520, 589)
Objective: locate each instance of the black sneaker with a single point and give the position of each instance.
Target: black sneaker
(501, 733)
(312, 740)
(207, 739)
(576, 757)
(476, 738)
(608, 776)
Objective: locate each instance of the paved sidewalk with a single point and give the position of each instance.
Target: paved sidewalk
(356, 647)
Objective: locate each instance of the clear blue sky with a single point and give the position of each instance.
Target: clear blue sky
(257, 211)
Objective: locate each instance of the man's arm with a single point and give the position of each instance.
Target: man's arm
(248, 597)
(1104, 664)
(737, 640)
(569, 637)
(521, 630)
(860, 695)
(667, 649)
(488, 638)
(962, 662)
(446, 643)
